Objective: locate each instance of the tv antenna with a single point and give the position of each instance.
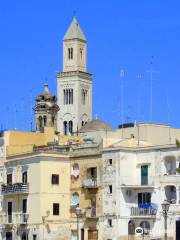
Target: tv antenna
(151, 72)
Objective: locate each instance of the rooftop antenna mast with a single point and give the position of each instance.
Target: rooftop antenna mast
(139, 77)
(122, 75)
(151, 72)
(168, 112)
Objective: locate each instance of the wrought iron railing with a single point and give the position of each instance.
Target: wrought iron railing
(15, 188)
(91, 212)
(136, 211)
(90, 183)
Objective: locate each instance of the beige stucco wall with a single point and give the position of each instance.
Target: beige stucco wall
(17, 142)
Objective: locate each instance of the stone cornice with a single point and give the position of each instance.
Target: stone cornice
(85, 75)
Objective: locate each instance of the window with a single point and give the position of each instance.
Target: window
(71, 127)
(144, 197)
(75, 200)
(24, 236)
(9, 178)
(110, 161)
(110, 222)
(144, 175)
(45, 121)
(65, 128)
(68, 96)
(24, 177)
(40, 124)
(146, 227)
(70, 53)
(9, 236)
(34, 237)
(1, 205)
(84, 95)
(81, 53)
(24, 206)
(110, 189)
(55, 179)
(1, 175)
(55, 208)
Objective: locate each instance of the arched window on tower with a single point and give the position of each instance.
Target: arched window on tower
(84, 94)
(66, 96)
(44, 121)
(70, 53)
(65, 127)
(71, 127)
(81, 53)
(64, 91)
(40, 122)
(71, 94)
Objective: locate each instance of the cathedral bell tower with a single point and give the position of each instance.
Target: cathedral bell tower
(46, 110)
(74, 84)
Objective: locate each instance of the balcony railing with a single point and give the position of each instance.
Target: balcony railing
(136, 211)
(91, 213)
(22, 218)
(15, 188)
(14, 218)
(90, 183)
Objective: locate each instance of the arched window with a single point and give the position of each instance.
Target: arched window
(40, 124)
(81, 53)
(75, 200)
(131, 227)
(64, 96)
(44, 121)
(70, 53)
(146, 227)
(75, 171)
(71, 96)
(65, 127)
(84, 96)
(67, 95)
(71, 127)
(53, 120)
(82, 123)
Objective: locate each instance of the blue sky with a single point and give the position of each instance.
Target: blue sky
(121, 34)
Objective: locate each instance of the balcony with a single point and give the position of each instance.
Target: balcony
(90, 183)
(22, 218)
(138, 212)
(170, 179)
(15, 188)
(91, 213)
(15, 218)
(136, 183)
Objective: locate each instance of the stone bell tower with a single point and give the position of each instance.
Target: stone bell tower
(74, 84)
(46, 110)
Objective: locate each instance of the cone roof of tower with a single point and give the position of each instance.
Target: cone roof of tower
(74, 31)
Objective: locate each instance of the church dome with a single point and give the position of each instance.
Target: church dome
(95, 125)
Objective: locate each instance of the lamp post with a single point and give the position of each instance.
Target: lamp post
(165, 208)
(78, 214)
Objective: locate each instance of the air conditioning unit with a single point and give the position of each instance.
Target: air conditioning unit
(128, 192)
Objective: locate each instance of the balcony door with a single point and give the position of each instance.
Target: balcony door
(9, 236)
(144, 175)
(9, 212)
(93, 234)
(144, 198)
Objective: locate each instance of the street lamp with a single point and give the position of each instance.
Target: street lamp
(165, 208)
(78, 214)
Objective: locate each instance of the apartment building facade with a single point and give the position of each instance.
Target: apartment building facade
(43, 187)
(136, 181)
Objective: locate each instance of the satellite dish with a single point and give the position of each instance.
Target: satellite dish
(139, 231)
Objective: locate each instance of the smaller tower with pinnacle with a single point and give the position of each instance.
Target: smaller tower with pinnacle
(46, 110)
